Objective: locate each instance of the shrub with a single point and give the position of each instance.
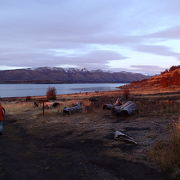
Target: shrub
(28, 98)
(164, 72)
(174, 68)
(126, 94)
(51, 93)
(167, 154)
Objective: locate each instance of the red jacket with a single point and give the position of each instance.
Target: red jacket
(1, 113)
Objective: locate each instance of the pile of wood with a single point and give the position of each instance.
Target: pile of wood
(71, 110)
(127, 108)
(110, 106)
(120, 108)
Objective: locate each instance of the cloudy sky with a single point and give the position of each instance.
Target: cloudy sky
(114, 35)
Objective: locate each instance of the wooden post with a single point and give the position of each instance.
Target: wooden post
(43, 108)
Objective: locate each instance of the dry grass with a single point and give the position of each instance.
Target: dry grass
(158, 108)
(167, 154)
(17, 107)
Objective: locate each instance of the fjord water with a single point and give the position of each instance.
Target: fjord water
(23, 90)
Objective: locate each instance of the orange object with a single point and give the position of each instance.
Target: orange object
(1, 113)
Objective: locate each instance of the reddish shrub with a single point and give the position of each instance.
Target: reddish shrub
(174, 68)
(165, 71)
(51, 93)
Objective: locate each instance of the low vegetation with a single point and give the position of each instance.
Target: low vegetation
(167, 154)
(51, 93)
(158, 108)
(17, 107)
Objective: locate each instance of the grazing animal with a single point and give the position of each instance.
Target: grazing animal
(36, 104)
(47, 105)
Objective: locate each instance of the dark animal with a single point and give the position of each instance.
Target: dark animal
(47, 105)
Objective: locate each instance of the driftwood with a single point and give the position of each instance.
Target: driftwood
(70, 110)
(127, 108)
(118, 135)
(118, 102)
(4, 111)
(110, 106)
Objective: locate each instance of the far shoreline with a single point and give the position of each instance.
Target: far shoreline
(86, 95)
(70, 83)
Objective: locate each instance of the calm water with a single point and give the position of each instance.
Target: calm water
(21, 90)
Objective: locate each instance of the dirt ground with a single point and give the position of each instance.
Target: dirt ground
(79, 146)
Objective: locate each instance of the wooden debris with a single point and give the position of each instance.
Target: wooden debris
(110, 106)
(118, 135)
(127, 108)
(70, 110)
(118, 102)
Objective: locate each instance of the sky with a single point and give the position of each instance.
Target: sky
(112, 35)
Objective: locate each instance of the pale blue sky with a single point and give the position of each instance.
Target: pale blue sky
(117, 35)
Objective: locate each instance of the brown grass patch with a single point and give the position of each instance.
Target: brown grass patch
(167, 154)
(158, 107)
(17, 107)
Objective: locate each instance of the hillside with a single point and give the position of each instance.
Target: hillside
(169, 80)
(60, 75)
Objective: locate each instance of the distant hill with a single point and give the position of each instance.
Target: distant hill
(169, 80)
(71, 75)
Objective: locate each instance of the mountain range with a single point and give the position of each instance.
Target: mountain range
(70, 75)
